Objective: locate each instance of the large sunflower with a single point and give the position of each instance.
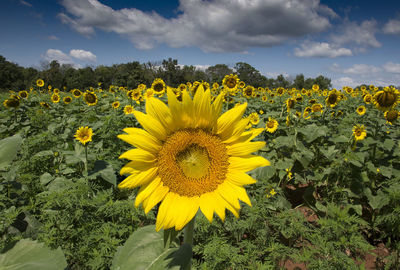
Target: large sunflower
(272, 125)
(188, 157)
(332, 99)
(90, 98)
(387, 99)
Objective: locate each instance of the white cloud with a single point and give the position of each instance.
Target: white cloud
(320, 49)
(52, 37)
(214, 25)
(25, 3)
(83, 55)
(361, 69)
(59, 56)
(392, 67)
(362, 35)
(276, 74)
(392, 27)
(344, 81)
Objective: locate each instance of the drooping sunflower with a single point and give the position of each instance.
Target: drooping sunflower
(254, 119)
(188, 157)
(387, 99)
(128, 109)
(55, 98)
(361, 110)
(392, 115)
(11, 103)
(230, 82)
(368, 98)
(115, 104)
(332, 99)
(67, 100)
(76, 93)
(359, 132)
(90, 98)
(40, 82)
(290, 102)
(272, 125)
(84, 135)
(306, 112)
(158, 86)
(45, 105)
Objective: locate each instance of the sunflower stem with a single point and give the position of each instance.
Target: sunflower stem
(188, 238)
(86, 160)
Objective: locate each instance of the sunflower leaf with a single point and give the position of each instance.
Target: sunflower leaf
(8, 149)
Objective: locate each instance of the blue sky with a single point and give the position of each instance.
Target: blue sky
(349, 41)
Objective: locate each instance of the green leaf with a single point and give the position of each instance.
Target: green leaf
(45, 178)
(330, 152)
(44, 153)
(339, 139)
(28, 254)
(8, 149)
(312, 132)
(105, 171)
(144, 249)
(388, 144)
(376, 202)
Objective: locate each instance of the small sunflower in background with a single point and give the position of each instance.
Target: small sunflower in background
(272, 125)
(231, 82)
(55, 98)
(128, 109)
(386, 99)
(84, 135)
(391, 116)
(115, 104)
(67, 99)
(45, 105)
(315, 87)
(361, 110)
(158, 87)
(76, 93)
(332, 99)
(254, 118)
(90, 98)
(317, 107)
(359, 132)
(248, 91)
(23, 94)
(368, 98)
(40, 82)
(290, 102)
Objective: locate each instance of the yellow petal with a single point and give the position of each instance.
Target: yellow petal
(139, 179)
(228, 193)
(241, 193)
(160, 111)
(234, 132)
(248, 135)
(239, 178)
(146, 190)
(141, 139)
(244, 149)
(151, 125)
(138, 154)
(206, 206)
(186, 209)
(157, 196)
(247, 163)
(229, 118)
(163, 210)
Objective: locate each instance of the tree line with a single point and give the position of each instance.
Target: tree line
(15, 77)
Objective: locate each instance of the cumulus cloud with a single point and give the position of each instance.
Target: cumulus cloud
(83, 55)
(392, 27)
(362, 35)
(320, 49)
(392, 67)
(344, 81)
(58, 55)
(214, 25)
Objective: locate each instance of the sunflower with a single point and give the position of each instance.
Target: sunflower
(158, 86)
(290, 102)
(368, 98)
(128, 109)
(272, 125)
(40, 82)
(315, 87)
(67, 99)
(115, 104)
(55, 98)
(264, 98)
(248, 91)
(45, 105)
(312, 101)
(187, 157)
(84, 135)
(90, 98)
(11, 103)
(392, 116)
(230, 82)
(332, 99)
(317, 108)
(254, 119)
(280, 91)
(76, 93)
(23, 94)
(56, 91)
(361, 110)
(359, 132)
(386, 99)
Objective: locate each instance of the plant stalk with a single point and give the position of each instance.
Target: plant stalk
(188, 238)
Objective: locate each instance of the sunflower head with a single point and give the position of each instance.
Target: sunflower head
(128, 109)
(40, 82)
(23, 94)
(90, 98)
(332, 99)
(386, 99)
(67, 100)
(392, 115)
(188, 157)
(290, 102)
(11, 103)
(359, 132)
(45, 105)
(315, 108)
(361, 110)
(115, 104)
(248, 91)
(230, 82)
(84, 135)
(254, 119)
(158, 87)
(368, 98)
(272, 125)
(55, 98)
(315, 87)
(76, 93)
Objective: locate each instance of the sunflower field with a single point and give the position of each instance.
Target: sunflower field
(327, 171)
